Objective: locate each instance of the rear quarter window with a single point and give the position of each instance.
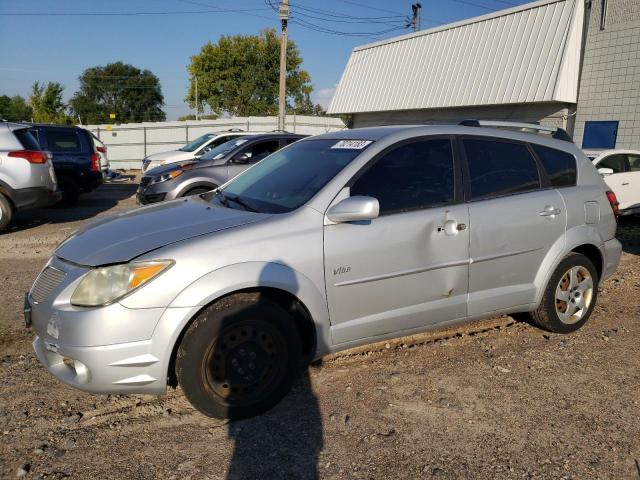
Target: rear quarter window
(560, 166)
(26, 139)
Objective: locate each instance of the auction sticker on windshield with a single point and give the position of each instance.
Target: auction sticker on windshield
(352, 144)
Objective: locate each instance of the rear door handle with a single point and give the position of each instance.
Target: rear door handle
(625, 183)
(550, 211)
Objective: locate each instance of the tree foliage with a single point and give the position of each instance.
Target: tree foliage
(191, 116)
(134, 95)
(239, 75)
(14, 109)
(46, 103)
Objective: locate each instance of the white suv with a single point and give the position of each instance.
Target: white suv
(194, 149)
(621, 172)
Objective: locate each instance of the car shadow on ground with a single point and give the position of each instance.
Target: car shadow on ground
(90, 204)
(282, 443)
(629, 234)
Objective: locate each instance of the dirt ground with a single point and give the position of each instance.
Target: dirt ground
(494, 399)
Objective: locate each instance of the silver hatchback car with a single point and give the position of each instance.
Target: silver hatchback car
(335, 241)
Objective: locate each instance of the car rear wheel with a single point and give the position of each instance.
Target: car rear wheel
(570, 296)
(239, 357)
(6, 212)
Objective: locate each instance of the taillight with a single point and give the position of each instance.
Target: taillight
(95, 166)
(102, 149)
(615, 205)
(31, 156)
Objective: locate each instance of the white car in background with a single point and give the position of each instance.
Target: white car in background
(621, 172)
(194, 149)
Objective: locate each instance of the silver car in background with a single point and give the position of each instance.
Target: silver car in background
(337, 240)
(192, 150)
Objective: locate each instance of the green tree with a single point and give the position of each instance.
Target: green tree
(239, 75)
(191, 116)
(46, 103)
(134, 95)
(14, 109)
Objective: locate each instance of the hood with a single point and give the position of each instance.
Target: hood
(172, 156)
(170, 167)
(127, 235)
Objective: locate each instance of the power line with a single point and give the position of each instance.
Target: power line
(244, 12)
(121, 14)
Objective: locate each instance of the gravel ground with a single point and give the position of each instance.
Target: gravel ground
(494, 399)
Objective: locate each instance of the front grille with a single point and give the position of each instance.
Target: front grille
(144, 181)
(46, 283)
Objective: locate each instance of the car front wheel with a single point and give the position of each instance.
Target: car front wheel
(239, 357)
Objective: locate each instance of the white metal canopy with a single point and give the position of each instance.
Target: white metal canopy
(526, 54)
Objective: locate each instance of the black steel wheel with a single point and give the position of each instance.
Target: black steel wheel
(239, 357)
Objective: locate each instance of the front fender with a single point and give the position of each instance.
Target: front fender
(574, 237)
(247, 275)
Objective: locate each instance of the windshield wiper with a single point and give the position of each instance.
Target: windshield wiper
(241, 202)
(223, 199)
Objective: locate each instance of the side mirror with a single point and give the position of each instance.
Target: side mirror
(354, 209)
(605, 171)
(242, 158)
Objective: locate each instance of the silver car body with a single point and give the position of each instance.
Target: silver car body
(360, 282)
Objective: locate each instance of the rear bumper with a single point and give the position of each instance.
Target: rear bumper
(612, 253)
(26, 198)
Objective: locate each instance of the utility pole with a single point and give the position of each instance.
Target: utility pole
(416, 8)
(197, 105)
(282, 97)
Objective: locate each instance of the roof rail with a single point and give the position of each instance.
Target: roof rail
(555, 132)
(280, 131)
(235, 130)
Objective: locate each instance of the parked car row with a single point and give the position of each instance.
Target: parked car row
(334, 241)
(215, 167)
(43, 165)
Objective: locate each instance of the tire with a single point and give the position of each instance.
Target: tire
(560, 299)
(6, 212)
(239, 357)
(70, 192)
(197, 191)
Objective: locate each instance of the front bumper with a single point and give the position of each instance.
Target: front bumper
(116, 369)
(110, 349)
(144, 198)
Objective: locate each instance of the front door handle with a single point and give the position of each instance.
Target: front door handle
(452, 227)
(550, 211)
(625, 183)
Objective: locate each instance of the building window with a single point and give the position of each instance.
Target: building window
(600, 134)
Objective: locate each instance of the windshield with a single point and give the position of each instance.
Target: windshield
(288, 178)
(223, 149)
(197, 143)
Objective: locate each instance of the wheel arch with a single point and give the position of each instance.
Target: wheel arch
(280, 283)
(584, 239)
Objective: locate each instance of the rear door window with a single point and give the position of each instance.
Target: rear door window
(560, 166)
(63, 141)
(499, 168)
(26, 139)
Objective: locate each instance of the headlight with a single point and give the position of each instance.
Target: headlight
(104, 285)
(166, 176)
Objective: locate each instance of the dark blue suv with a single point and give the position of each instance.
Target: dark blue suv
(75, 159)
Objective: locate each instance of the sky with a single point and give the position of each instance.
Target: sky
(44, 43)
